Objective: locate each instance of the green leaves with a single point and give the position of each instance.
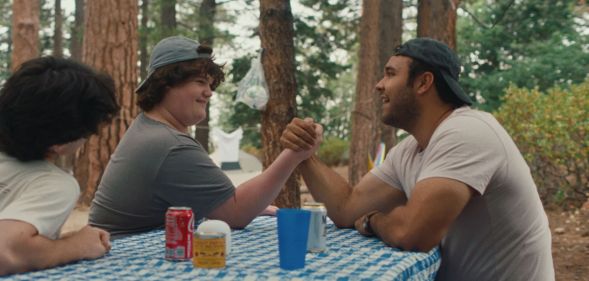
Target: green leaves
(530, 44)
(552, 131)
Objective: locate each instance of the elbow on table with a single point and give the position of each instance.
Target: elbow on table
(238, 226)
(342, 219)
(342, 223)
(239, 223)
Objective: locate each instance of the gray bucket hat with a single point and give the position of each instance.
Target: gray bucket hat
(439, 56)
(171, 50)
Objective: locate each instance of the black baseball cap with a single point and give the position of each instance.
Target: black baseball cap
(440, 57)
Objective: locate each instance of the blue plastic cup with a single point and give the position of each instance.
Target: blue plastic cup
(293, 232)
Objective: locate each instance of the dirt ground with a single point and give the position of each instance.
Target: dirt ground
(570, 237)
(570, 243)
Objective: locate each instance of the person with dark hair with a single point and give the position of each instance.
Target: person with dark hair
(458, 181)
(158, 164)
(48, 108)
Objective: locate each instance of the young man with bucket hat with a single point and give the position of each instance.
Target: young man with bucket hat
(458, 181)
(158, 164)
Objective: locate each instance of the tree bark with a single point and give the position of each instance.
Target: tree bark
(78, 31)
(168, 18)
(110, 45)
(206, 36)
(65, 162)
(143, 34)
(25, 32)
(437, 19)
(391, 33)
(277, 40)
(58, 31)
(380, 33)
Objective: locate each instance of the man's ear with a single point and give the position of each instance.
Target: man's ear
(424, 82)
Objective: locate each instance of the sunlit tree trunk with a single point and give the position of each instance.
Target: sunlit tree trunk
(58, 31)
(277, 38)
(392, 17)
(206, 35)
(25, 31)
(143, 35)
(168, 18)
(78, 31)
(110, 45)
(437, 19)
(380, 32)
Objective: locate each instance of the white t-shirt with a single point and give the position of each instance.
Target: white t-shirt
(36, 192)
(502, 233)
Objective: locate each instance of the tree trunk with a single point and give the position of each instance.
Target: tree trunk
(25, 32)
(276, 36)
(144, 34)
(58, 32)
(78, 31)
(206, 22)
(110, 45)
(392, 17)
(65, 162)
(437, 19)
(206, 36)
(168, 17)
(380, 33)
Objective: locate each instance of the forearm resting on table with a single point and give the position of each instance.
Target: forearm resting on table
(421, 224)
(396, 230)
(32, 252)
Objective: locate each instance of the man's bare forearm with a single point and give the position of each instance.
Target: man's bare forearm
(38, 252)
(254, 195)
(328, 187)
(23, 249)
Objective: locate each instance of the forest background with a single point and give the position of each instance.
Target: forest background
(525, 61)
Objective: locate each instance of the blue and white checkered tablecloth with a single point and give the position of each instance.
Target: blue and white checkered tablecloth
(254, 256)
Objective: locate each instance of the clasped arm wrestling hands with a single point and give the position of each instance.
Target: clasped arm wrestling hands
(24, 249)
(301, 134)
(373, 206)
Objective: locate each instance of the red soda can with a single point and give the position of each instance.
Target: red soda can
(179, 232)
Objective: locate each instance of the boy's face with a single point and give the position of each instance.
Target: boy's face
(187, 102)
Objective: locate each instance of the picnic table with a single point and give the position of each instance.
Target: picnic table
(254, 256)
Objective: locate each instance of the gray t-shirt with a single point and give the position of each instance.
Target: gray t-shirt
(155, 167)
(502, 233)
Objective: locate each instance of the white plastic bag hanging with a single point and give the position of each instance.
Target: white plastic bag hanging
(252, 89)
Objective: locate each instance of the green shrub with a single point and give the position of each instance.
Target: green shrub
(551, 130)
(333, 151)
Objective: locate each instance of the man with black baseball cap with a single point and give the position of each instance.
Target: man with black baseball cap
(157, 164)
(458, 181)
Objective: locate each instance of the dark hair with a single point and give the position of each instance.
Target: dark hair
(175, 74)
(50, 101)
(418, 67)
